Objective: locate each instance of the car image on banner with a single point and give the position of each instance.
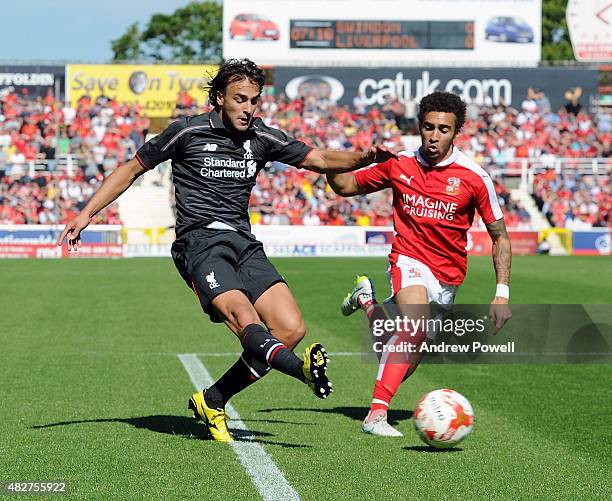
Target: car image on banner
(253, 27)
(509, 29)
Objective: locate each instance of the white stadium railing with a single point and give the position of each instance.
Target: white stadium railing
(512, 167)
(527, 168)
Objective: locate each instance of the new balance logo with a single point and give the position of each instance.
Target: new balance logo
(265, 343)
(212, 282)
(407, 179)
(210, 147)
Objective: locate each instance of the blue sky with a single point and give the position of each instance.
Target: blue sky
(71, 30)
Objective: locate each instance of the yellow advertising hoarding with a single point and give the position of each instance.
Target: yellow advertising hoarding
(154, 87)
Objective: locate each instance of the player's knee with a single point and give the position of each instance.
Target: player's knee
(294, 332)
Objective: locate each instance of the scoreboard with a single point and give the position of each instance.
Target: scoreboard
(378, 34)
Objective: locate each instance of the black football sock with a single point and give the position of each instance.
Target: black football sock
(265, 348)
(213, 398)
(239, 376)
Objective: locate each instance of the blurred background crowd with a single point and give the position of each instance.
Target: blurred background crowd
(38, 136)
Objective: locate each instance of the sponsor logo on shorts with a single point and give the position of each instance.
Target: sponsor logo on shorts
(212, 282)
(414, 273)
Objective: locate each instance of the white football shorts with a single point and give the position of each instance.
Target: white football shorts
(408, 271)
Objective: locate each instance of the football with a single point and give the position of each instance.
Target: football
(443, 418)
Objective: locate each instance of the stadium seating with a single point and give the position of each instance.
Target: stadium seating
(573, 200)
(47, 171)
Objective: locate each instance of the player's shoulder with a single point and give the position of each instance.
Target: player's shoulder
(405, 159)
(186, 124)
(267, 133)
(407, 153)
(470, 165)
(178, 131)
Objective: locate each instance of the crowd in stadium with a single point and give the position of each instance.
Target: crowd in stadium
(103, 134)
(47, 199)
(573, 200)
(99, 135)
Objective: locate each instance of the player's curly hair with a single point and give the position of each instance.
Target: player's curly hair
(446, 102)
(231, 71)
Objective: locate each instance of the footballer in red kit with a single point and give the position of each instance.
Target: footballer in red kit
(436, 192)
(433, 208)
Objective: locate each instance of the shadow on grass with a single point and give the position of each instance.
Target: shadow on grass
(276, 421)
(356, 413)
(427, 448)
(185, 427)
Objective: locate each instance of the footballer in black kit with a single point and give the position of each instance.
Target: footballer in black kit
(215, 160)
(214, 170)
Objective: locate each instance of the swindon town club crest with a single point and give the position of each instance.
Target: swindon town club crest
(454, 184)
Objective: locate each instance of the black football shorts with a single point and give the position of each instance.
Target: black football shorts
(215, 261)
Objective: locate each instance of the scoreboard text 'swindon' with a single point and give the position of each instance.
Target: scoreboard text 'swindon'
(376, 34)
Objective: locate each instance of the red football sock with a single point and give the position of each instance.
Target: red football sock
(393, 367)
(375, 313)
(392, 370)
(368, 305)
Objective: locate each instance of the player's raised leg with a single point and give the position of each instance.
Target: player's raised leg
(280, 313)
(363, 297)
(240, 316)
(278, 310)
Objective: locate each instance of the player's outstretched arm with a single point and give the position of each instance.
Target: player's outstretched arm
(499, 312)
(333, 162)
(113, 186)
(337, 165)
(344, 184)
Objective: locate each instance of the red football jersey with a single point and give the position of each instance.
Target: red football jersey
(433, 208)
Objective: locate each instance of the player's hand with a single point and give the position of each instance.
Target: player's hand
(499, 313)
(72, 231)
(379, 153)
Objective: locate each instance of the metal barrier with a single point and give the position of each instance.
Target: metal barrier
(527, 168)
(514, 167)
(63, 165)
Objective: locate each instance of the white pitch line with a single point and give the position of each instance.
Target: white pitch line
(265, 475)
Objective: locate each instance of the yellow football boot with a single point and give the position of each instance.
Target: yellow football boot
(214, 419)
(315, 370)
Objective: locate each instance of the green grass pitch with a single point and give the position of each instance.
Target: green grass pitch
(92, 392)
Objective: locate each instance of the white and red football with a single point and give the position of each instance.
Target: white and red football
(443, 418)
